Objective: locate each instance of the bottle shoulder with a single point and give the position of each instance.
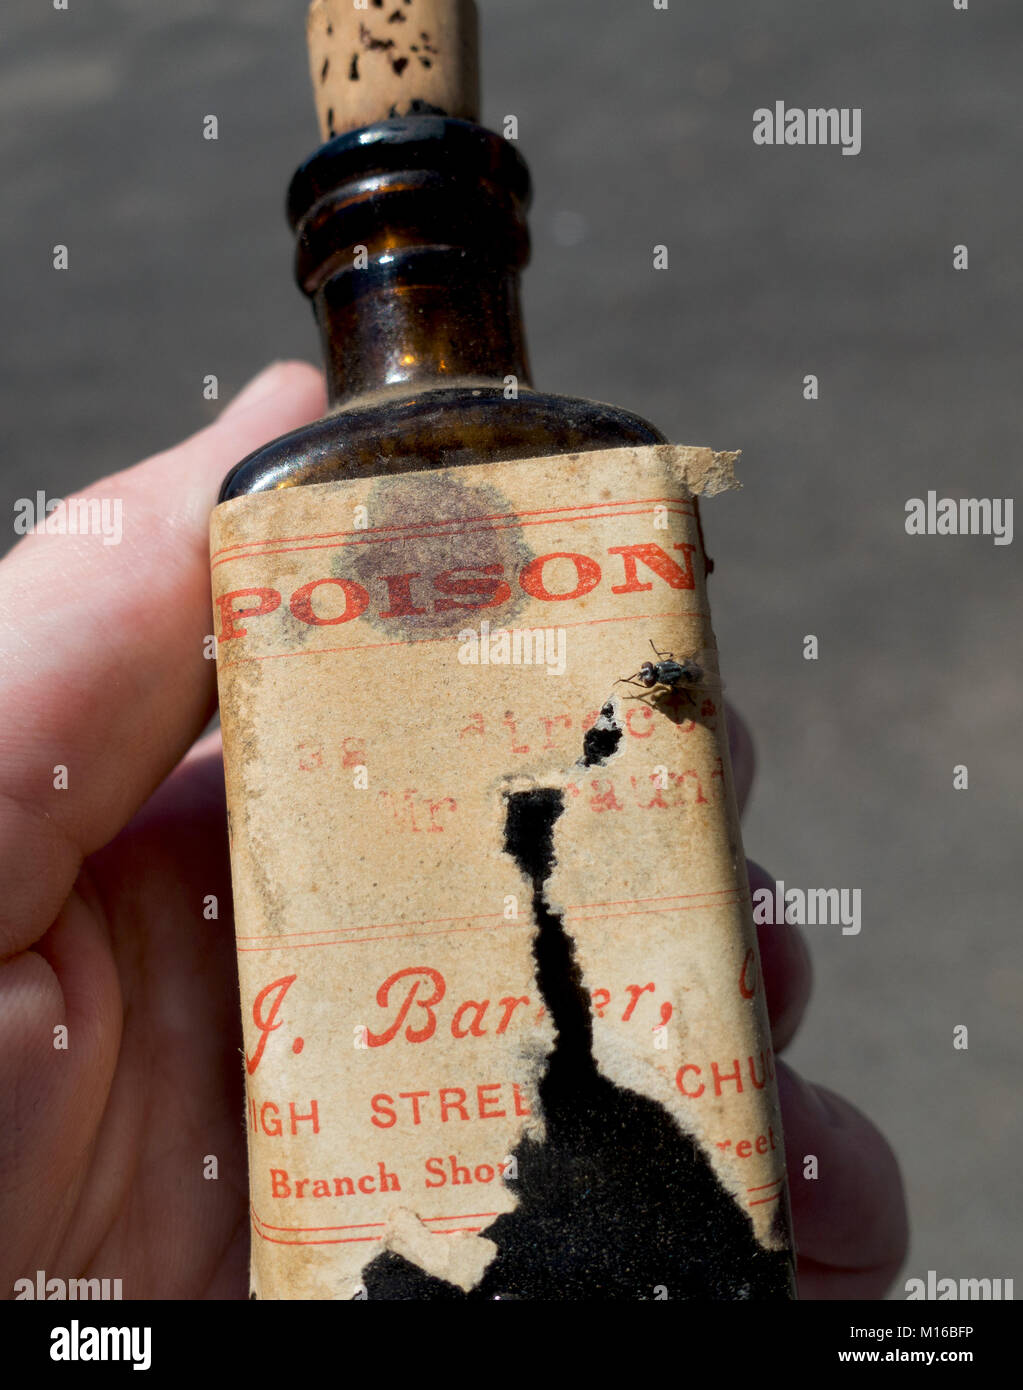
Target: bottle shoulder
(443, 428)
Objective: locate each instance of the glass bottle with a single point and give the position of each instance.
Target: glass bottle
(411, 235)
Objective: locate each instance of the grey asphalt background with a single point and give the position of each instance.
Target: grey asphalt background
(638, 128)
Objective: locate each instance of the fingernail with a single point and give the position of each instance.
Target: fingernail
(266, 383)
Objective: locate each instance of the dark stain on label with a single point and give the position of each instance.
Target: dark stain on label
(439, 557)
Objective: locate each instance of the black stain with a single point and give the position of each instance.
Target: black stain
(600, 742)
(615, 1201)
(368, 41)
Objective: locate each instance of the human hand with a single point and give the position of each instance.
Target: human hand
(850, 1222)
(103, 1143)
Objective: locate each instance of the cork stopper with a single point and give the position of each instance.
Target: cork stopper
(392, 58)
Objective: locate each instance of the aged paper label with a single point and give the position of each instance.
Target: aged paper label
(406, 665)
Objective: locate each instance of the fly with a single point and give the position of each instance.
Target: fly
(668, 671)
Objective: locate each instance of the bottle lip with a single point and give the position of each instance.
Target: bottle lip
(410, 142)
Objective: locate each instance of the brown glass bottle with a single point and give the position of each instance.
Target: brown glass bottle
(420, 343)
(411, 237)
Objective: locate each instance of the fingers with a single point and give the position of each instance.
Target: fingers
(740, 746)
(785, 963)
(784, 958)
(60, 1012)
(102, 652)
(850, 1219)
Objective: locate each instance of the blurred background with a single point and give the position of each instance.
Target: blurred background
(637, 124)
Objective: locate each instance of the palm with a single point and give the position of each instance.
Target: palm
(131, 1194)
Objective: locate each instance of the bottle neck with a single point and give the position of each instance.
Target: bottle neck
(428, 318)
(411, 236)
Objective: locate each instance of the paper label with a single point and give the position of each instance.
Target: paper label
(400, 660)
